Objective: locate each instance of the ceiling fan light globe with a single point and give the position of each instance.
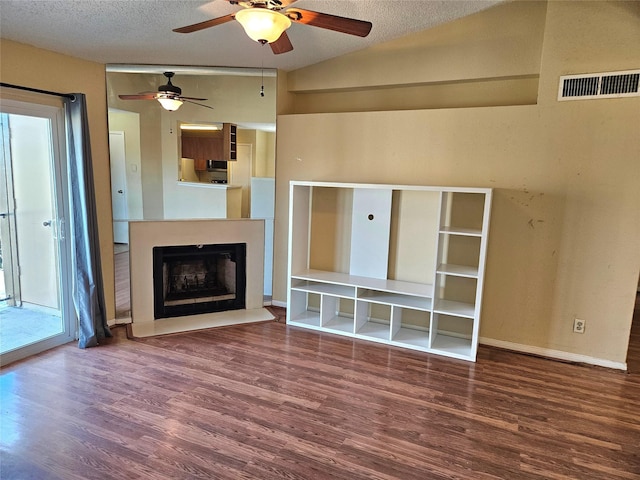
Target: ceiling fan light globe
(263, 25)
(170, 104)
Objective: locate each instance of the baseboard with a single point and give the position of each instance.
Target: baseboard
(277, 303)
(118, 321)
(553, 354)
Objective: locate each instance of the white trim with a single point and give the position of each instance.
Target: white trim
(114, 322)
(387, 186)
(553, 354)
(278, 303)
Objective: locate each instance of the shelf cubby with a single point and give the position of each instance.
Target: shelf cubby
(460, 250)
(455, 295)
(453, 335)
(372, 321)
(304, 308)
(462, 213)
(410, 328)
(337, 314)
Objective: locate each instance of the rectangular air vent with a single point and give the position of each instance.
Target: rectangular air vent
(600, 85)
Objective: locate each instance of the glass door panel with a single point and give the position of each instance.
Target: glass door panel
(34, 306)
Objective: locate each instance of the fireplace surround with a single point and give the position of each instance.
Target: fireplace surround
(147, 234)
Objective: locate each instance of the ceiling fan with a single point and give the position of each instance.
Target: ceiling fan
(266, 21)
(169, 96)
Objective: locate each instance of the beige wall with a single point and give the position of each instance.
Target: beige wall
(565, 229)
(487, 59)
(33, 67)
(150, 118)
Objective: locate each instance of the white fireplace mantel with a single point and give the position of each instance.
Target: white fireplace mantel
(144, 235)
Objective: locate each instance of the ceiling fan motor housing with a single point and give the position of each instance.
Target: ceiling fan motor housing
(169, 87)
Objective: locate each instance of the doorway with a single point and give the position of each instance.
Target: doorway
(34, 261)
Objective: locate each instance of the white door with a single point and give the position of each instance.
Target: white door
(36, 216)
(119, 187)
(34, 231)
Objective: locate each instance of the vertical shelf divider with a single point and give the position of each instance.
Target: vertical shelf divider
(396, 320)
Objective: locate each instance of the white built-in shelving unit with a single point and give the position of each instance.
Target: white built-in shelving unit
(400, 265)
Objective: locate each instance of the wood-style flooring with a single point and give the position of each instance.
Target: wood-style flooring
(123, 282)
(267, 401)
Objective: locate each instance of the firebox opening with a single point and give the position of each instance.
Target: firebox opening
(194, 279)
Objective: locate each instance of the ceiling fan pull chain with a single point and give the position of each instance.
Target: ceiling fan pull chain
(262, 79)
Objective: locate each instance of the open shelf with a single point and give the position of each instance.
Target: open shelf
(383, 285)
(458, 309)
(327, 288)
(340, 324)
(373, 320)
(469, 232)
(458, 270)
(419, 303)
(412, 337)
(307, 318)
(452, 345)
(375, 330)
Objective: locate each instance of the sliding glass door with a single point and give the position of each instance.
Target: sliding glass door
(35, 285)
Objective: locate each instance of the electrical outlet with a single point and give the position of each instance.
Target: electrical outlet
(579, 325)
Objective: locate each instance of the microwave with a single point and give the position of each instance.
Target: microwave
(216, 165)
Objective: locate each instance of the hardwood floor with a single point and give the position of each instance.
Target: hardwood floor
(267, 401)
(122, 287)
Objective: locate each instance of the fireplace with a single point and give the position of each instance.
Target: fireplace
(145, 235)
(195, 279)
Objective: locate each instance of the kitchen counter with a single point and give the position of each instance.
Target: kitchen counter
(204, 200)
(221, 186)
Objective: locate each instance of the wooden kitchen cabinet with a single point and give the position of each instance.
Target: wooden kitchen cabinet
(229, 135)
(210, 145)
(201, 149)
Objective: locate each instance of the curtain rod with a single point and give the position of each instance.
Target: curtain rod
(37, 90)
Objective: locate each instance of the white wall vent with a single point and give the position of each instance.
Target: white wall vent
(600, 85)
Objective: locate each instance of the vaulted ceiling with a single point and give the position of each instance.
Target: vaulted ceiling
(140, 31)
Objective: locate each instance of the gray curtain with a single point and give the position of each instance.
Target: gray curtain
(88, 291)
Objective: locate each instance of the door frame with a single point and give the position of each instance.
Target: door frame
(55, 114)
(8, 236)
(119, 186)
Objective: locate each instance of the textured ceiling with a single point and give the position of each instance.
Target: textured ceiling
(140, 31)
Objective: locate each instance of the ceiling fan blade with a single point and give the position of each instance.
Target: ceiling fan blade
(282, 45)
(195, 103)
(206, 24)
(271, 4)
(139, 96)
(191, 98)
(283, 3)
(351, 26)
